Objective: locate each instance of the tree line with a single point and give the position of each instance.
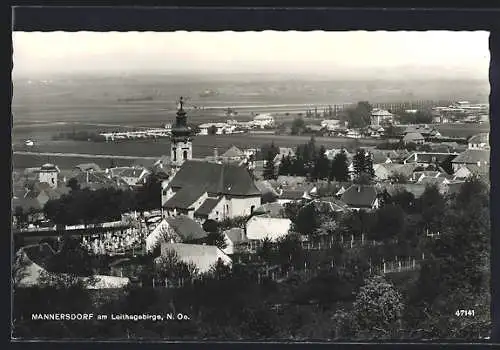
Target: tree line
(312, 162)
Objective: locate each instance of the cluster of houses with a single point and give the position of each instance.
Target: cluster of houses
(260, 121)
(221, 187)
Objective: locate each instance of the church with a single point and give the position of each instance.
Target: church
(201, 189)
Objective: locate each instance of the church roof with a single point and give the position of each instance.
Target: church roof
(227, 179)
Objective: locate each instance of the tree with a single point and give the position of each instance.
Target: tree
(73, 184)
(339, 170)
(456, 275)
(269, 167)
(298, 126)
(390, 223)
(432, 205)
(363, 163)
(212, 130)
(398, 178)
(378, 309)
(306, 222)
(266, 250)
(359, 116)
(285, 165)
(215, 235)
(321, 166)
(290, 251)
(405, 200)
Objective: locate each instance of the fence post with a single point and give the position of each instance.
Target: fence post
(413, 262)
(370, 264)
(399, 265)
(362, 239)
(384, 267)
(423, 256)
(342, 239)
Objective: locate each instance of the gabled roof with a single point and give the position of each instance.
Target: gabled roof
(236, 235)
(272, 209)
(185, 197)
(360, 196)
(88, 167)
(480, 138)
(430, 157)
(432, 181)
(206, 208)
(265, 186)
(472, 156)
(186, 228)
(203, 256)
(260, 227)
(228, 179)
(233, 152)
(416, 189)
(413, 136)
(325, 204)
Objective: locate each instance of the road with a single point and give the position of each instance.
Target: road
(80, 155)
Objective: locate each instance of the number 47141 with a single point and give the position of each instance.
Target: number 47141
(464, 313)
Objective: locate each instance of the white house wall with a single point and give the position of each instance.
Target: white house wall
(242, 206)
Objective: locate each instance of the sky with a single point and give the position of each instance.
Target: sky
(341, 54)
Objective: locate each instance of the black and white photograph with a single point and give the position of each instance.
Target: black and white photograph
(289, 186)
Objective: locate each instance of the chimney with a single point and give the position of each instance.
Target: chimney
(216, 153)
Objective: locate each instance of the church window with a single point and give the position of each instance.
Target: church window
(175, 154)
(185, 155)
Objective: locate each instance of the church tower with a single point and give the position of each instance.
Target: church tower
(181, 141)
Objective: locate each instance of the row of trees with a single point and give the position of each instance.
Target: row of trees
(84, 206)
(311, 161)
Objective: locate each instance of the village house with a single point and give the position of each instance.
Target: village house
(424, 159)
(233, 154)
(219, 128)
(234, 238)
(203, 257)
(273, 210)
(379, 116)
(470, 170)
(48, 173)
(283, 152)
(178, 229)
(413, 137)
(263, 121)
(359, 197)
(478, 157)
(130, 175)
(329, 205)
(479, 141)
(331, 124)
(211, 191)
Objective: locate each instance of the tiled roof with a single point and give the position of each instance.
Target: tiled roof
(233, 152)
(186, 227)
(236, 235)
(480, 138)
(224, 178)
(360, 196)
(292, 194)
(413, 136)
(206, 208)
(416, 189)
(185, 197)
(272, 209)
(430, 157)
(472, 156)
